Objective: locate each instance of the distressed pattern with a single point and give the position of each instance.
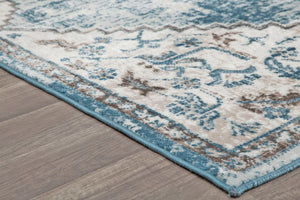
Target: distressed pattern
(222, 100)
(131, 14)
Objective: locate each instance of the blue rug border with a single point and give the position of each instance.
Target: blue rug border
(232, 191)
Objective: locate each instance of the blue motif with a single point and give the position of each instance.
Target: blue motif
(235, 11)
(243, 128)
(255, 39)
(207, 120)
(189, 102)
(103, 73)
(180, 70)
(284, 52)
(138, 13)
(34, 15)
(297, 129)
(141, 42)
(172, 57)
(194, 108)
(189, 42)
(288, 40)
(273, 113)
(104, 40)
(283, 71)
(284, 60)
(14, 35)
(248, 80)
(91, 52)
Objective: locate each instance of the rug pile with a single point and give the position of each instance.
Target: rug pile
(212, 85)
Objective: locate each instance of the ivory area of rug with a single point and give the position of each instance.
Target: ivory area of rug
(213, 85)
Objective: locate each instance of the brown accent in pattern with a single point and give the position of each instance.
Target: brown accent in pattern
(138, 84)
(9, 16)
(158, 57)
(269, 97)
(277, 145)
(244, 54)
(78, 65)
(224, 42)
(189, 42)
(252, 108)
(170, 27)
(247, 161)
(163, 130)
(216, 37)
(228, 40)
(148, 66)
(68, 46)
(274, 97)
(151, 67)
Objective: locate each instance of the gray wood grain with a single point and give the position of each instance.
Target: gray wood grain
(50, 150)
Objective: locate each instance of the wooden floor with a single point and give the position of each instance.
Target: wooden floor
(50, 150)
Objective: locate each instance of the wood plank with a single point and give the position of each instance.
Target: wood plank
(7, 79)
(58, 150)
(18, 97)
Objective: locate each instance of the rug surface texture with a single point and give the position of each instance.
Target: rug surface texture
(212, 85)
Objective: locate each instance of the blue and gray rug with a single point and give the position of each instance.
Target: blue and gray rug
(212, 85)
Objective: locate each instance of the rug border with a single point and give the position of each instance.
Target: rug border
(232, 191)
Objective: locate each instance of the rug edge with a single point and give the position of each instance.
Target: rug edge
(266, 178)
(232, 191)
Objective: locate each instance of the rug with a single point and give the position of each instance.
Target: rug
(211, 85)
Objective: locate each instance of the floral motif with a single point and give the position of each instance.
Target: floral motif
(284, 60)
(194, 108)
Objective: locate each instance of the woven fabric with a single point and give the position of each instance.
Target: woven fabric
(212, 85)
